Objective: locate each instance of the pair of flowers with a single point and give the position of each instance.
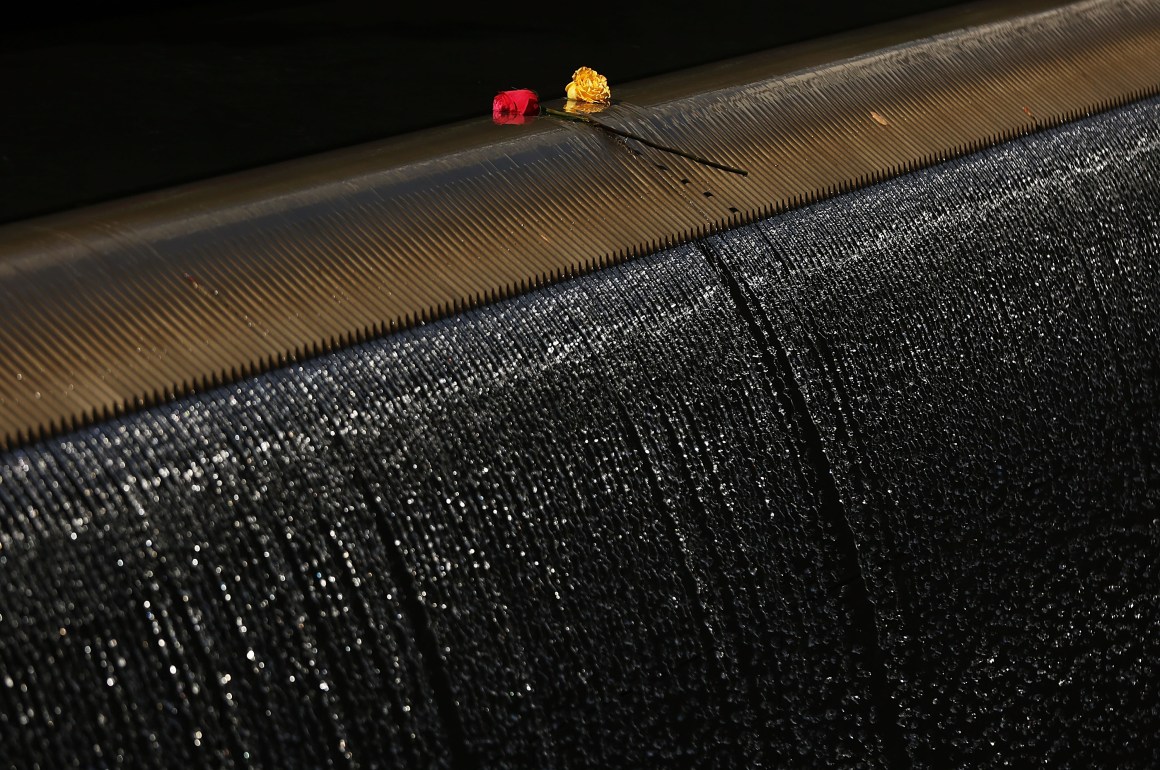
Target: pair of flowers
(588, 92)
(514, 106)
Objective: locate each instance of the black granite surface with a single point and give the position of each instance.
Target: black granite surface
(870, 484)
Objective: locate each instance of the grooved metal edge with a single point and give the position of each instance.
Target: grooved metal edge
(128, 305)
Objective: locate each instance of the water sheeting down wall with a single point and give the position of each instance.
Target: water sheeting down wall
(873, 483)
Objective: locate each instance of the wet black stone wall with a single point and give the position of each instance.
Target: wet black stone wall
(870, 484)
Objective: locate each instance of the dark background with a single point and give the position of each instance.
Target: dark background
(129, 97)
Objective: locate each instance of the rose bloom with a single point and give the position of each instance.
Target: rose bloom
(588, 85)
(512, 106)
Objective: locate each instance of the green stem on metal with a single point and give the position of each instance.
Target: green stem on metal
(619, 132)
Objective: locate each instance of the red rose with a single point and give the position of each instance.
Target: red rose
(513, 106)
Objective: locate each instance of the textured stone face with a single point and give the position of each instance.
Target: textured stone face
(871, 483)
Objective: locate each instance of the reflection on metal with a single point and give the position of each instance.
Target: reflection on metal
(129, 304)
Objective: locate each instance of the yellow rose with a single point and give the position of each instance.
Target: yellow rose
(588, 85)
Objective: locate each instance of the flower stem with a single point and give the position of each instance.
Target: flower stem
(627, 135)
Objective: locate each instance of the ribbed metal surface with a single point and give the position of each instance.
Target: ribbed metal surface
(868, 484)
(127, 305)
